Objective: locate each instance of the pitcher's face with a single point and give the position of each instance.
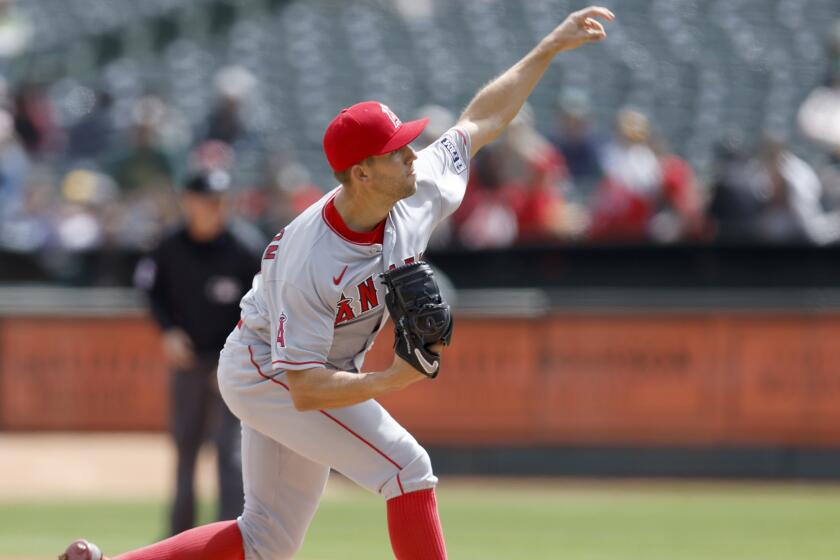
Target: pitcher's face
(393, 173)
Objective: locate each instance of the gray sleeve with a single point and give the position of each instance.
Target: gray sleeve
(302, 328)
(449, 166)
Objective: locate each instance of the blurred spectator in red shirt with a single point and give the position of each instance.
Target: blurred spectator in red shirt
(517, 192)
(625, 201)
(649, 193)
(485, 219)
(679, 213)
(35, 120)
(537, 179)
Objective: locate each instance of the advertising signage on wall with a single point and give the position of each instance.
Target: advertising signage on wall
(604, 379)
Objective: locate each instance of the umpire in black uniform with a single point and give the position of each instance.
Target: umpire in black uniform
(194, 281)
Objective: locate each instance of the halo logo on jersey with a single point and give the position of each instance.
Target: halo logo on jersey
(395, 120)
(281, 331)
(345, 310)
(365, 303)
(457, 161)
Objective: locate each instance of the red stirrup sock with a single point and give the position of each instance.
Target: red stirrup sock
(414, 526)
(219, 541)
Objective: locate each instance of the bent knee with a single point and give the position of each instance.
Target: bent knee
(265, 539)
(416, 475)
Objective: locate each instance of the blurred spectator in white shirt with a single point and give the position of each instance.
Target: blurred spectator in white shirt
(819, 114)
(231, 119)
(793, 210)
(626, 199)
(15, 32)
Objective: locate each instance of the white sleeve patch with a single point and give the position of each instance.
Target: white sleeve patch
(445, 165)
(145, 274)
(458, 163)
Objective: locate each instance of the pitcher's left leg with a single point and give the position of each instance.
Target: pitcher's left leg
(368, 446)
(413, 522)
(414, 526)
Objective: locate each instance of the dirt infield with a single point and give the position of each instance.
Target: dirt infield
(50, 466)
(35, 467)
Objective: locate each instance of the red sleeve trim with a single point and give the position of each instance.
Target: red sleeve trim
(298, 363)
(462, 135)
(260, 371)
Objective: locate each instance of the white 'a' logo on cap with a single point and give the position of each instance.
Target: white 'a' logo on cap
(395, 120)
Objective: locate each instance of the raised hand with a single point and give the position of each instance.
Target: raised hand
(578, 28)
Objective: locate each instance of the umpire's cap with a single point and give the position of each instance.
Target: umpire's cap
(367, 129)
(208, 183)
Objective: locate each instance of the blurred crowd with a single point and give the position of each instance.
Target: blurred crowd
(573, 185)
(566, 181)
(108, 176)
(83, 169)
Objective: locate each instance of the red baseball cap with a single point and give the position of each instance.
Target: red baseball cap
(367, 129)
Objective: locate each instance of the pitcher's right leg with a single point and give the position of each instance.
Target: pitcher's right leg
(282, 492)
(362, 441)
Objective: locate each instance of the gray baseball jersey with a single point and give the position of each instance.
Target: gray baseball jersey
(318, 302)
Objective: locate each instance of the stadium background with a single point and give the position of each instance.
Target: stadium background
(679, 322)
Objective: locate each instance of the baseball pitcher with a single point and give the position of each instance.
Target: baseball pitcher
(291, 369)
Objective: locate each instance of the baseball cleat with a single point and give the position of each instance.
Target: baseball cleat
(82, 550)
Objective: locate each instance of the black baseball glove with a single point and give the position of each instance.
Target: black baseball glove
(421, 316)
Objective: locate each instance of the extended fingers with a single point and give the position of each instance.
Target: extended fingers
(593, 25)
(581, 27)
(594, 29)
(593, 12)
